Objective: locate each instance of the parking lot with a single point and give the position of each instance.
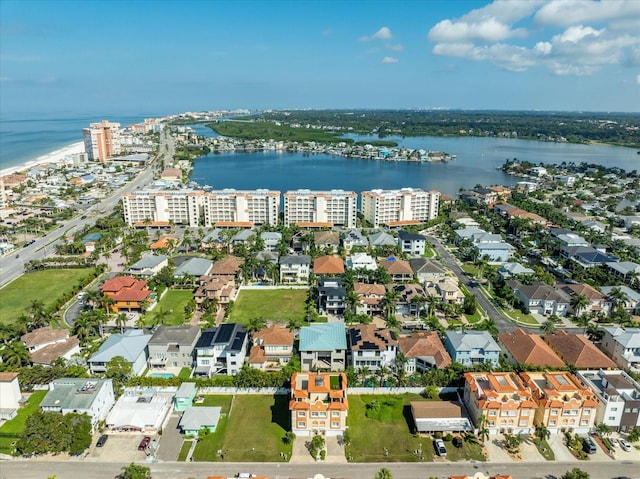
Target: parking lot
(120, 447)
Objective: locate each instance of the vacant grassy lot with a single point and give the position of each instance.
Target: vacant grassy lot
(47, 286)
(369, 437)
(174, 302)
(280, 305)
(252, 433)
(16, 425)
(469, 450)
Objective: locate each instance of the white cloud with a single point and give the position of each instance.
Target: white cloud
(383, 34)
(493, 34)
(390, 60)
(570, 12)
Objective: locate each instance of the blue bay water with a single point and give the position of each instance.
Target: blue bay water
(477, 162)
(25, 139)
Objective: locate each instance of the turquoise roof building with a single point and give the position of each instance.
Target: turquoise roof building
(323, 347)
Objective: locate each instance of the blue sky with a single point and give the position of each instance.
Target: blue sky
(164, 57)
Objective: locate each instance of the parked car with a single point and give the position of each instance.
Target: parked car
(624, 445)
(144, 443)
(589, 446)
(102, 440)
(440, 449)
(457, 442)
(614, 442)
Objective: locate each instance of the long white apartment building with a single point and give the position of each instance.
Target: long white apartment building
(102, 140)
(400, 207)
(231, 208)
(320, 208)
(161, 207)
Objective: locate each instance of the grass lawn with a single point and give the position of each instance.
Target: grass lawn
(475, 317)
(47, 286)
(184, 450)
(16, 425)
(184, 374)
(369, 437)
(544, 449)
(280, 305)
(253, 431)
(523, 318)
(173, 301)
(470, 450)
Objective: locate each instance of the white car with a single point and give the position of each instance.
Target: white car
(440, 449)
(625, 445)
(614, 442)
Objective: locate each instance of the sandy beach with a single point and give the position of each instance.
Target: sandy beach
(53, 157)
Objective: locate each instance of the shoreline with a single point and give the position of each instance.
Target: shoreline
(53, 157)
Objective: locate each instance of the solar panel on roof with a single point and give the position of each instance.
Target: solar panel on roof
(225, 331)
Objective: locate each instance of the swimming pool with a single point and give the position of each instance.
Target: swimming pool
(161, 375)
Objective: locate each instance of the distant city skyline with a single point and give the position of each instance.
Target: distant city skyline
(65, 57)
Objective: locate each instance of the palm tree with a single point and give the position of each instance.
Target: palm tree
(160, 316)
(419, 302)
(83, 327)
(381, 373)
(121, 321)
(594, 333)
(15, 355)
(389, 302)
(634, 435)
(548, 327)
(542, 432)
(602, 429)
(255, 323)
(93, 297)
(364, 372)
(483, 432)
(578, 302)
(617, 297)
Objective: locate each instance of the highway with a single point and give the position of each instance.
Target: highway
(81, 469)
(12, 265)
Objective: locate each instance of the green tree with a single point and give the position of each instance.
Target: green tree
(135, 471)
(15, 354)
(634, 435)
(602, 429)
(118, 368)
(542, 432)
(548, 327)
(384, 473)
(575, 473)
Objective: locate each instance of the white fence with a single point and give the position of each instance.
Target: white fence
(287, 391)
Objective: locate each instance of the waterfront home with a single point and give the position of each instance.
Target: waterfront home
(564, 404)
(140, 410)
(361, 261)
(504, 401)
(472, 347)
(370, 298)
(623, 346)
(570, 240)
(496, 252)
(576, 350)
(587, 256)
(427, 270)
(46, 344)
(92, 396)
(619, 397)
(243, 237)
(221, 350)
(295, 269)
(318, 403)
(412, 244)
(381, 239)
(446, 289)
(628, 271)
(272, 348)
(271, 240)
(423, 351)
(214, 239)
(630, 298)
(372, 347)
(332, 296)
(399, 269)
(540, 298)
(354, 238)
(148, 266)
(328, 265)
(327, 241)
(173, 346)
(528, 348)
(126, 293)
(506, 270)
(193, 267)
(323, 346)
(10, 394)
(596, 301)
(132, 345)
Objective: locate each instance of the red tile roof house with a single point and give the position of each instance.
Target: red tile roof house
(578, 351)
(328, 265)
(272, 348)
(529, 348)
(423, 351)
(126, 292)
(399, 269)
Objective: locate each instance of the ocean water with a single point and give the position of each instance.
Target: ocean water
(25, 139)
(478, 160)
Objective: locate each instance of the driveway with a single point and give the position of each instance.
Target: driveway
(495, 451)
(300, 453)
(171, 440)
(561, 451)
(120, 447)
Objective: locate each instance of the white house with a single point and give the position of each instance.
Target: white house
(295, 268)
(361, 261)
(10, 395)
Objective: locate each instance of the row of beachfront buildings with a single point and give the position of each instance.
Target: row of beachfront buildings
(599, 392)
(306, 208)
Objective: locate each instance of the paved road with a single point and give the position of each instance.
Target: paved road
(40, 469)
(450, 262)
(12, 266)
